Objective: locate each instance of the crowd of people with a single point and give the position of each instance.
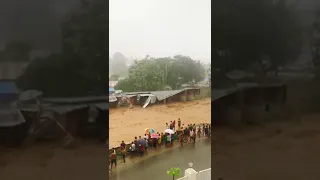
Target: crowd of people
(155, 140)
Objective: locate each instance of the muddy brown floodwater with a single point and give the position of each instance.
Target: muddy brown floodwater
(51, 162)
(276, 151)
(125, 124)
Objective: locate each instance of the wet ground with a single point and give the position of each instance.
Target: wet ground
(274, 151)
(155, 166)
(50, 161)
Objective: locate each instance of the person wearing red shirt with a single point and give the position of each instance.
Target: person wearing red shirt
(113, 158)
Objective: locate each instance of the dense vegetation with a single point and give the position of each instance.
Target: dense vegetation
(82, 66)
(253, 33)
(245, 34)
(162, 73)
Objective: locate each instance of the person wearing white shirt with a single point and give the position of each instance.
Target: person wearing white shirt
(169, 138)
(146, 144)
(133, 147)
(191, 134)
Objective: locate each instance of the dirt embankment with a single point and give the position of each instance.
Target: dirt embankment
(125, 124)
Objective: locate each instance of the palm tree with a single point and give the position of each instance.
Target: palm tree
(174, 172)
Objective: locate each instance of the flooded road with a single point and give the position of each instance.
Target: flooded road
(155, 167)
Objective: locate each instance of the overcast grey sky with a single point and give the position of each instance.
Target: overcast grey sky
(160, 28)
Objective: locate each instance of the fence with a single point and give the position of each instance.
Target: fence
(201, 175)
(204, 174)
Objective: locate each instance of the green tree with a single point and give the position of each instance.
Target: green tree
(146, 75)
(246, 32)
(17, 51)
(174, 172)
(81, 68)
(159, 73)
(126, 85)
(186, 71)
(118, 64)
(114, 77)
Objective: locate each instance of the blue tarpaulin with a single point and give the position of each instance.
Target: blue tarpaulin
(8, 87)
(112, 90)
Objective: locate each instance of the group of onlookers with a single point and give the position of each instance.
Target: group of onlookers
(156, 140)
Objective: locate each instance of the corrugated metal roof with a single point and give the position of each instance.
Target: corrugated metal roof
(67, 108)
(76, 99)
(8, 87)
(161, 95)
(112, 98)
(142, 95)
(136, 93)
(220, 93)
(102, 106)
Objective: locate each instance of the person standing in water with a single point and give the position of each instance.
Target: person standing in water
(113, 158)
(179, 123)
(191, 135)
(159, 141)
(199, 131)
(123, 145)
(124, 155)
(173, 125)
(181, 139)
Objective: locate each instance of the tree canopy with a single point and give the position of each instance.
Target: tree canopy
(162, 73)
(250, 32)
(16, 51)
(81, 68)
(118, 64)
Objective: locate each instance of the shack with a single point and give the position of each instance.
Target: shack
(81, 117)
(264, 102)
(157, 97)
(84, 116)
(249, 103)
